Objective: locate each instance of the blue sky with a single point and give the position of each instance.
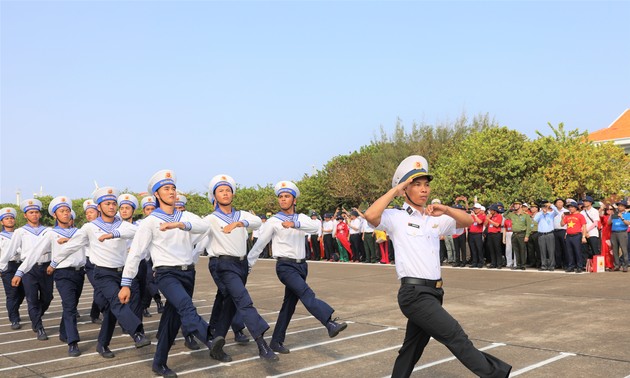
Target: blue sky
(265, 91)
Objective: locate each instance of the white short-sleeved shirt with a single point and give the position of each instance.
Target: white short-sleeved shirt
(416, 239)
(594, 215)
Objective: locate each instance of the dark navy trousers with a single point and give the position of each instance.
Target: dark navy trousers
(217, 308)
(151, 289)
(15, 295)
(69, 282)
(231, 277)
(95, 311)
(38, 289)
(179, 311)
(293, 276)
(107, 283)
(575, 259)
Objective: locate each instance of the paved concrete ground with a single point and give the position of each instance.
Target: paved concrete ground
(546, 324)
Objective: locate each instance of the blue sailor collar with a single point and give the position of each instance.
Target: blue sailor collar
(286, 217)
(230, 218)
(107, 226)
(168, 218)
(65, 232)
(35, 231)
(6, 234)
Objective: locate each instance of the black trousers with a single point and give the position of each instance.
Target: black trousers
(38, 290)
(494, 246)
(317, 253)
(475, 242)
(95, 311)
(15, 295)
(561, 248)
(427, 318)
(329, 246)
(357, 246)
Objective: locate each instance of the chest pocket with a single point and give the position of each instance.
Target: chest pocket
(425, 231)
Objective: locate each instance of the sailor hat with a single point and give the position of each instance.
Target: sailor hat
(89, 204)
(161, 178)
(106, 193)
(180, 200)
(58, 202)
(148, 201)
(31, 204)
(220, 180)
(287, 187)
(128, 199)
(7, 212)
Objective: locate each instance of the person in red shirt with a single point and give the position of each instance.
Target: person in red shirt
(475, 236)
(606, 251)
(576, 232)
(493, 222)
(342, 234)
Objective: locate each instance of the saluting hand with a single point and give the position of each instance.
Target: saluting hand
(400, 188)
(288, 224)
(124, 294)
(62, 240)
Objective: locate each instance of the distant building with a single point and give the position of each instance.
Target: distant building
(618, 132)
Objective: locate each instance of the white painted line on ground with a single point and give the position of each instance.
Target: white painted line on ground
(334, 362)
(541, 363)
(170, 355)
(293, 349)
(438, 362)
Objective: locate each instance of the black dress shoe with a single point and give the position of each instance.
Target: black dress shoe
(141, 340)
(164, 371)
(264, 351)
(191, 343)
(334, 328)
(160, 307)
(216, 350)
(41, 335)
(146, 313)
(97, 321)
(73, 350)
(16, 325)
(240, 337)
(279, 348)
(104, 351)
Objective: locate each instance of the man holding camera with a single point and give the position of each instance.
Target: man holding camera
(619, 236)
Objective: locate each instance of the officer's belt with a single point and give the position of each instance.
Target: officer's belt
(176, 267)
(110, 269)
(288, 259)
(76, 268)
(422, 282)
(233, 258)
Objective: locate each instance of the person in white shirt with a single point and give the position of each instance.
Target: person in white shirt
(228, 243)
(328, 226)
(316, 238)
(91, 212)
(69, 275)
(286, 230)
(559, 234)
(372, 252)
(417, 228)
(167, 234)
(14, 295)
(38, 286)
(106, 238)
(592, 227)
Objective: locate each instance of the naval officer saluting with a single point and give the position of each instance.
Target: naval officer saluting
(415, 231)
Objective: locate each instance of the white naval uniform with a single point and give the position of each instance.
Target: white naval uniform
(49, 242)
(5, 240)
(234, 243)
(417, 244)
(167, 248)
(24, 240)
(109, 253)
(286, 242)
